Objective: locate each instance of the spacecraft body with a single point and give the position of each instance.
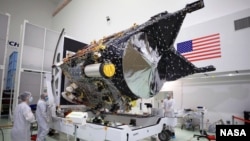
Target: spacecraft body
(131, 64)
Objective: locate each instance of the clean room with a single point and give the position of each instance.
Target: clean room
(114, 69)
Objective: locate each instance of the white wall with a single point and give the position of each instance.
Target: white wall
(35, 11)
(234, 44)
(223, 97)
(215, 9)
(86, 20)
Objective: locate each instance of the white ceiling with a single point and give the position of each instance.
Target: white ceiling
(59, 5)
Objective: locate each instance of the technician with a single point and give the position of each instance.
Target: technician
(169, 105)
(43, 117)
(23, 117)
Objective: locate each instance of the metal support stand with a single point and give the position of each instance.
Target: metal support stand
(75, 132)
(203, 133)
(202, 119)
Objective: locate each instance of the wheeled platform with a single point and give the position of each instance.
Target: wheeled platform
(119, 129)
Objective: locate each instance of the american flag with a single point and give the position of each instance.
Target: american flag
(202, 48)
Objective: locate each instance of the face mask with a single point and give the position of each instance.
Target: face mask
(46, 98)
(30, 99)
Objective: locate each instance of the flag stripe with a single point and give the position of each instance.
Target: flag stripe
(195, 45)
(199, 59)
(206, 47)
(200, 52)
(198, 41)
(207, 54)
(206, 37)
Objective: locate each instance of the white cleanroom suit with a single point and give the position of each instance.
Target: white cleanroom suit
(43, 118)
(23, 116)
(169, 105)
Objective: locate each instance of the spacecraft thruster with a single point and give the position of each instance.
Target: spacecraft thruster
(131, 64)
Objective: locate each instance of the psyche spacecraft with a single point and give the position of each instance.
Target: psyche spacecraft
(128, 65)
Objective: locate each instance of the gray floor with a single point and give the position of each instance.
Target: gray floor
(181, 134)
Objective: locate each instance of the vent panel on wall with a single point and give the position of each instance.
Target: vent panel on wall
(32, 54)
(38, 48)
(31, 81)
(242, 23)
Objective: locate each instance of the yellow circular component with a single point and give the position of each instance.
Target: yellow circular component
(108, 69)
(133, 103)
(102, 46)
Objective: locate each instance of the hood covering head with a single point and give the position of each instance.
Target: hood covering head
(23, 96)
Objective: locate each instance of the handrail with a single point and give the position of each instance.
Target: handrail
(239, 118)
